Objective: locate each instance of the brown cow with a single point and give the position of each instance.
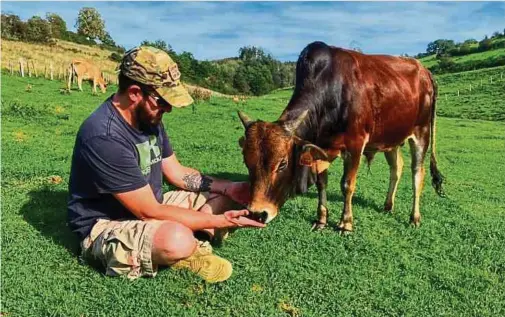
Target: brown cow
(346, 104)
(85, 70)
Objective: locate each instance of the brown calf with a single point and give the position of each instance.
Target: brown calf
(345, 104)
(85, 70)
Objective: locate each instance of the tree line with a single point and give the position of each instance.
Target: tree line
(89, 24)
(444, 50)
(253, 72)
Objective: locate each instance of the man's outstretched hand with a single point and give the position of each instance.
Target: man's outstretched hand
(238, 217)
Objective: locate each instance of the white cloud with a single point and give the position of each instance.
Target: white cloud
(212, 30)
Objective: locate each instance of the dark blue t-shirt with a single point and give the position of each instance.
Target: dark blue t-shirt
(110, 156)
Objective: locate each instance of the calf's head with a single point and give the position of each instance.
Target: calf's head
(102, 83)
(276, 159)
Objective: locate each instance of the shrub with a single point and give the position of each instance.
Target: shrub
(115, 57)
(200, 94)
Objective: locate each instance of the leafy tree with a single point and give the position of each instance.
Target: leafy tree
(240, 80)
(160, 44)
(185, 63)
(37, 30)
(90, 23)
(107, 40)
(440, 47)
(12, 27)
(485, 44)
(57, 25)
(496, 35)
(470, 41)
(465, 49)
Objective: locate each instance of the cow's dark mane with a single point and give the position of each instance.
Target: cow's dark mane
(318, 89)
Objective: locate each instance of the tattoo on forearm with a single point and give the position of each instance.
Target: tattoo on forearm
(197, 182)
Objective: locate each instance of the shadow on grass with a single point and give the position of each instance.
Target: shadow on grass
(336, 199)
(46, 211)
(336, 204)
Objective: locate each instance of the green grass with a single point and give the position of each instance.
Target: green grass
(453, 265)
(481, 94)
(431, 60)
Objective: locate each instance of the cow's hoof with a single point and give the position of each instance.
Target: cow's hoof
(344, 233)
(344, 228)
(317, 226)
(415, 224)
(388, 207)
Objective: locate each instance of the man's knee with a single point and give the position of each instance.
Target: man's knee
(172, 241)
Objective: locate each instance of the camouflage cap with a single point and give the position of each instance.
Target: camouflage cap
(154, 67)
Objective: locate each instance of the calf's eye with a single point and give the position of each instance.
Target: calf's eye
(283, 164)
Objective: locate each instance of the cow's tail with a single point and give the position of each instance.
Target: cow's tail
(436, 177)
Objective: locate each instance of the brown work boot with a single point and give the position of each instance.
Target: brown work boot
(208, 266)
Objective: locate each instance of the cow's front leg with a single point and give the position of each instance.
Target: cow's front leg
(348, 185)
(322, 209)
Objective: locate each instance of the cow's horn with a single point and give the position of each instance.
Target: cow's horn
(246, 121)
(291, 126)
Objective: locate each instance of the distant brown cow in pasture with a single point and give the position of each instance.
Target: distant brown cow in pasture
(85, 70)
(345, 104)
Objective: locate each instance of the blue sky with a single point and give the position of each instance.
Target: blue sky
(214, 30)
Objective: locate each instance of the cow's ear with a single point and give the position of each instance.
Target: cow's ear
(311, 153)
(241, 141)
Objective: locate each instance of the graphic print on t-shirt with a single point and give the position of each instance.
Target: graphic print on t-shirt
(149, 154)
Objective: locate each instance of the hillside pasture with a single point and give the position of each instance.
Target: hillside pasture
(431, 60)
(60, 54)
(453, 265)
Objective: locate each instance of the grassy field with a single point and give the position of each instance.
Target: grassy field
(431, 60)
(453, 265)
(481, 94)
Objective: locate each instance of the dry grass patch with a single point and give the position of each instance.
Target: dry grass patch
(60, 54)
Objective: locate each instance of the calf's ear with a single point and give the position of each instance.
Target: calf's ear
(309, 152)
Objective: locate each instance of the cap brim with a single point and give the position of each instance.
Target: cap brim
(177, 96)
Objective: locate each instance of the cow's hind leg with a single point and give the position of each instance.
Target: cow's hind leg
(322, 209)
(395, 162)
(418, 146)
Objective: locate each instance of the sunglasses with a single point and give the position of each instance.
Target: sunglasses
(160, 102)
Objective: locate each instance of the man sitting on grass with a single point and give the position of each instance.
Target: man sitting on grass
(121, 155)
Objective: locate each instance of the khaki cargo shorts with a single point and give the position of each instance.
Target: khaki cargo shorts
(124, 247)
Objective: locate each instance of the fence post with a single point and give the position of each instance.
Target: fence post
(51, 68)
(11, 67)
(34, 69)
(21, 67)
(458, 92)
(491, 79)
(29, 68)
(470, 87)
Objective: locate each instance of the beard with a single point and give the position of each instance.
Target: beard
(147, 122)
